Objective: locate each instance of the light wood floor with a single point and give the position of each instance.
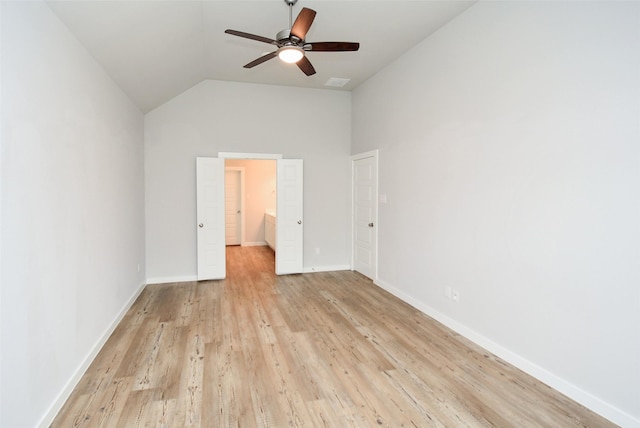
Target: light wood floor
(321, 349)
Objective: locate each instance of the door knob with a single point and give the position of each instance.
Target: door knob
(201, 225)
(370, 224)
(299, 221)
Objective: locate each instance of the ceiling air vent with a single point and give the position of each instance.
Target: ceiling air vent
(336, 82)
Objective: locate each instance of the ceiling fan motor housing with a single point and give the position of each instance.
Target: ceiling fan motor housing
(283, 36)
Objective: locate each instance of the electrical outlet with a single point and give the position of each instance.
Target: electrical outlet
(447, 292)
(455, 295)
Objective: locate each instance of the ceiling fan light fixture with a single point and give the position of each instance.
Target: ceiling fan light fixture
(290, 54)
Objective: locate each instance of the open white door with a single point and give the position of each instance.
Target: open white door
(210, 218)
(289, 251)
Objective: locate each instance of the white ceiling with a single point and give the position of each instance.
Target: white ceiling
(156, 49)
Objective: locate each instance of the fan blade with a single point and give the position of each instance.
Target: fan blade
(250, 36)
(305, 65)
(262, 59)
(331, 46)
(303, 23)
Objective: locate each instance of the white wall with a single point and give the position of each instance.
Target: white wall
(509, 153)
(72, 210)
(216, 116)
(260, 195)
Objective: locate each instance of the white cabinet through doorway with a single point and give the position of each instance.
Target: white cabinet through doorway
(270, 229)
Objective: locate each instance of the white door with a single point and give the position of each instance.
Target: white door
(232, 206)
(289, 221)
(365, 195)
(210, 218)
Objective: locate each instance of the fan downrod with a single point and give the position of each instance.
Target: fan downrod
(290, 3)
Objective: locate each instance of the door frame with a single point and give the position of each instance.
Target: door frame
(354, 158)
(263, 156)
(242, 199)
(258, 156)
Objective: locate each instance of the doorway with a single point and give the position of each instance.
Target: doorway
(210, 221)
(250, 192)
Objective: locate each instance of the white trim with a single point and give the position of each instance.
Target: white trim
(314, 269)
(170, 279)
(55, 407)
(242, 199)
(374, 154)
(229, 155)
(255, 244)
(588, 400)
(369, 154)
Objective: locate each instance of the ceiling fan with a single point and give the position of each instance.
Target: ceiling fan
(291, 43)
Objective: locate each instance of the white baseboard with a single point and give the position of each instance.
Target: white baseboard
(311, 269)
(588, 400)
(169, 279)
(53, 410)
(255, 244)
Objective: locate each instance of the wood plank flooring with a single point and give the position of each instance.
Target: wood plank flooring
(312, 350)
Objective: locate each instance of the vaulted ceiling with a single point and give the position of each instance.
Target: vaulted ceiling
(156, 49)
